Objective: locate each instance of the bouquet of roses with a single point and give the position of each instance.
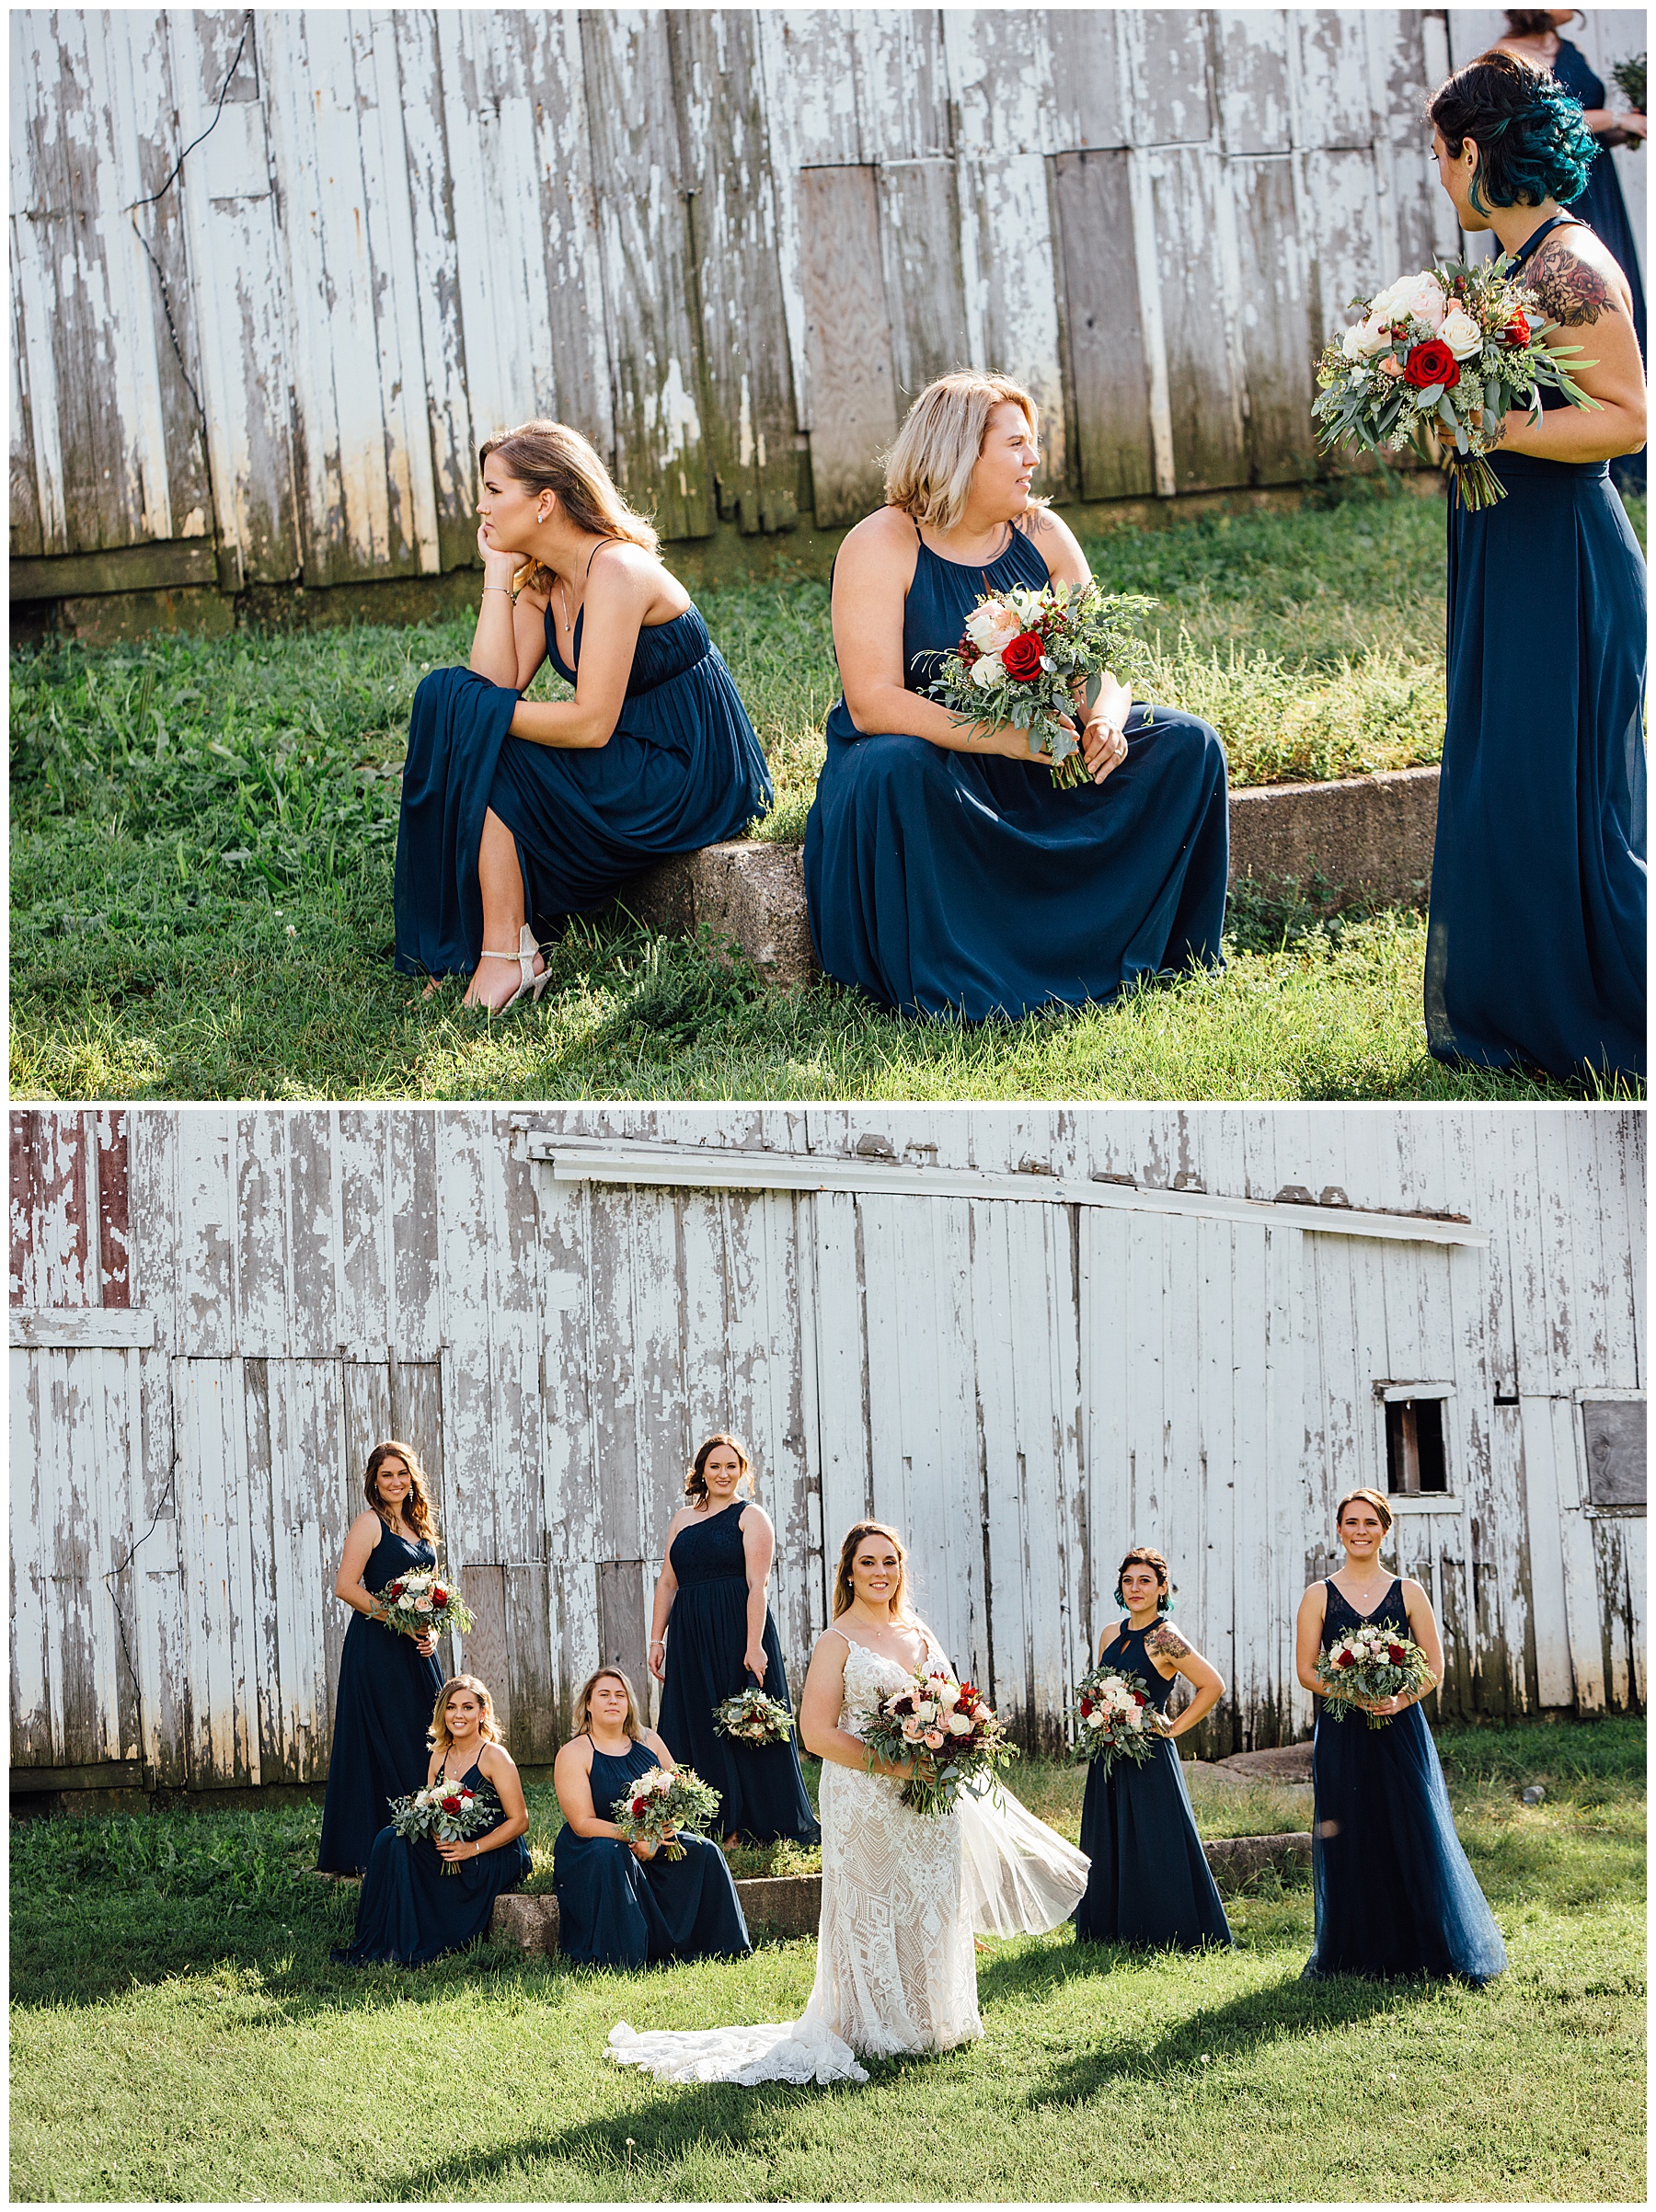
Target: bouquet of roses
(1372, 1661)
(422, 1604)
(1448, 351)
(753, 1718)
(1024, 653)
(1114, 1719)
(446, 1813)
(1630, 76)
(662, 1799)
(948, 1729)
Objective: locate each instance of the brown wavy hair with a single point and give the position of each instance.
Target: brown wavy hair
(549, 456)
(416, 1507)
(582, 1721)
(844, 1592)
(696, 1482)
(1369, 1498)
(489, 1728)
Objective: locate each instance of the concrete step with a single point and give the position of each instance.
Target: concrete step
(1287, 1762)
(793, 1904)
(1368, 836)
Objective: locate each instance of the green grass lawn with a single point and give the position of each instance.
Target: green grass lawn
(177, 2033)
(202, 833)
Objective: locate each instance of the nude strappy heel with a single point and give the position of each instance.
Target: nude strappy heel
(530, 985)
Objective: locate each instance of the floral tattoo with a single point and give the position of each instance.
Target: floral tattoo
(1166, 1643)
(1571, 290)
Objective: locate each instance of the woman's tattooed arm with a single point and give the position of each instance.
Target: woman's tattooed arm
(1166, 1643)
(1570, 291)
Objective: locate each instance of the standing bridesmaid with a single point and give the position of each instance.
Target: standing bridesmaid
(1149, 1881)
(1394, 1893)
(712, 1589)
(1536, 948)
(387, 1682)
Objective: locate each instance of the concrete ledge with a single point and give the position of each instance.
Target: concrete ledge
(1235, 1859)
(1365, 837)
(1287, 1762)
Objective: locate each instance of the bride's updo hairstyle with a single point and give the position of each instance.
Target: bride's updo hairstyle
(845, 1591)
(549, 456)
(696, 1482)
(928, 470)
(1532, 143)
(1369, 1498)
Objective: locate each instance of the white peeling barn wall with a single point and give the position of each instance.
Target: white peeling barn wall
(1029, 1338)
(728, 245)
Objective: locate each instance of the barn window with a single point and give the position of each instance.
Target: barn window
(1616, 1453)
(1415, 1463)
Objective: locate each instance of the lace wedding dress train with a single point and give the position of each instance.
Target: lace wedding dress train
(896, 1972)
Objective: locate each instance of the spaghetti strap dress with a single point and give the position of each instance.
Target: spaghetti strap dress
(951, 883)
(387, 1696)
(682, 768)
(616, 1909)
(1149, 1880)
(1394, 1894)
(1535, 945)
(761, 1789)
(412, 1911)
(1602, 206)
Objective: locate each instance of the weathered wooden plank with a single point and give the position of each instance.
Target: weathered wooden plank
(313, 1227)
(206, 1316)
(751, 411)
(33, 1498)
(901, 82)
(512, 1224)
(920, 244)
(663, 460)
(1345, 230)
(848, 340)
(222, 1749)
(1273, 320)
(1089, 99)
(844, 1370)
(1205, 397)
(1001, 77)
(1400, 78)
(1250, 57)
(624, 1591)
(1165, 50)
(485, 1649)
(261, 1265)
(468, 1263)
(1329, 53)
(530, 1679)
(1549, 1491)
(1010, 249)
(307, 1404)
(1278, 1565)
(51, 1237)
(1108, 369)
(112, 1172)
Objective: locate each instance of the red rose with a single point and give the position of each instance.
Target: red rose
(395, 1590)
(439, 1597)
(1138, 1700)
(1345, 1659)
(450, 1805)
(640, 1806)
(1086, 1707)
(1396, 1654)
(1518, 329)
(1431, 363)
(1022, 658)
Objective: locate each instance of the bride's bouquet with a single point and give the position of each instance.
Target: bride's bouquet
(662, 1801)
(1114, 1719)
(948, 1729)
(445, 1812)
(1023, 654)
(1447, 351)
(422, 1604)
(1372, 1661)
(753, 1718)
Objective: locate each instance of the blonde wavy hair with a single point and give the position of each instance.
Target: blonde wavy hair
(582, 1719)
(928, 470)
(549, 456)
(489, 1728)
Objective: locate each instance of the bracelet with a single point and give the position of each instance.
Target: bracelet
(506, 587)
(658, 1644)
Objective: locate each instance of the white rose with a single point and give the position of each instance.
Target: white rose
(1420, 296)
(1460, 333)
(949, 1696)
(927, 1710)
(1364, 340)
(960, 1725)
(1095, 1719)
(987, 671)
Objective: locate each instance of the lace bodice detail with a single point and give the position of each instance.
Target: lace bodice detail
(870, 1675)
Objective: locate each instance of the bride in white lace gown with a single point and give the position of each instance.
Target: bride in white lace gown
(902, 1892)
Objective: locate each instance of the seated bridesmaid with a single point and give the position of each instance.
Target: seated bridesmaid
(623, 1904)
(421, 1898)
(1149, 1882)
(944, 872)
(515, 814)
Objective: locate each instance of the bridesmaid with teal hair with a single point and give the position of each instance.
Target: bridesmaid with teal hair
(1149, 1881)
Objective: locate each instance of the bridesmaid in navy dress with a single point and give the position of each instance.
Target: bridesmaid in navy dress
(944, 872)
(420, 1898)
(1148, 1881)
(387, 1681)
(516, 813)
(712, 1635)
(1534, 36)
(1535, 949)
(623, 1904)
(1394, 1893)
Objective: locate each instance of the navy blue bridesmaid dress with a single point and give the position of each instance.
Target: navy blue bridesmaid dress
(942, 882)
(410, 1911)
(387, 1693)
(1535, 948)
(1602, 206)
(615, 1910)
(682, 768)
(1149, 1881)
(761, 1785)
(1394, 1893)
